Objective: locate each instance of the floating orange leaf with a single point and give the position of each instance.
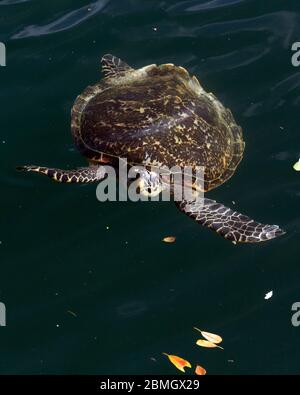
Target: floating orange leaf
(169, 239)
(180, 363)
(207, 344)
(211, 337)
(200, 371)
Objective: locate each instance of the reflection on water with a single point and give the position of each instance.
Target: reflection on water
(61, 250)
(11, 2)
(193, 6)
(65, 22)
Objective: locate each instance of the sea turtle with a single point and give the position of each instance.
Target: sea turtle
(161, 116)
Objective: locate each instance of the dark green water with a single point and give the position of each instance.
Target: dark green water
(134, 296)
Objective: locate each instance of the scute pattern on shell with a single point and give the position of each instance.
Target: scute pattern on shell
(158, 116)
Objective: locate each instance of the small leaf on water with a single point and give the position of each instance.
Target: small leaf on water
(180, 363)
(200, 371)
(207, 344)
(169, 239)
(211, 337)
(297, 166)
(269, 295)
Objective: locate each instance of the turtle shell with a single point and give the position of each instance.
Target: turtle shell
(157, 116)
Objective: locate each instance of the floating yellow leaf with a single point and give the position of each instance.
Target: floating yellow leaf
(169, 239)
(211, 337)
(207, 344)
(200, 371)
(297, 166)
(180, 363)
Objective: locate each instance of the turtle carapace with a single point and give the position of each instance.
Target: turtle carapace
(161, 116)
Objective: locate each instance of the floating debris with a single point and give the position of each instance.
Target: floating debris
(211, 337)
(269, 295)
(169, 239)
(297, 166)
(207, 344)
(178, 362)
(200, 371)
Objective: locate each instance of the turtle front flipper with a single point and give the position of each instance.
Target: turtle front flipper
(230, 224)
(82, 175)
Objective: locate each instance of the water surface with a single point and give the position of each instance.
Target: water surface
(63, 252)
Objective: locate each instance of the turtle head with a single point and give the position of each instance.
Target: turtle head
(150, 183)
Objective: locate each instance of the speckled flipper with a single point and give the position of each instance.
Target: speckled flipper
(230, 224)
(82, 175)
(112, 66)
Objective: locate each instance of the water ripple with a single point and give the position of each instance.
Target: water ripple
(193, 6)
(11, 2)
(65, 22)
(282, 25)
(278, 96)
(236, 59)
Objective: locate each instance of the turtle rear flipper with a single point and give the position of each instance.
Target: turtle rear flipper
(230, 224)
(82, 175)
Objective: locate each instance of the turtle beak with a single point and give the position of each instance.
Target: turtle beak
(150, 187)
